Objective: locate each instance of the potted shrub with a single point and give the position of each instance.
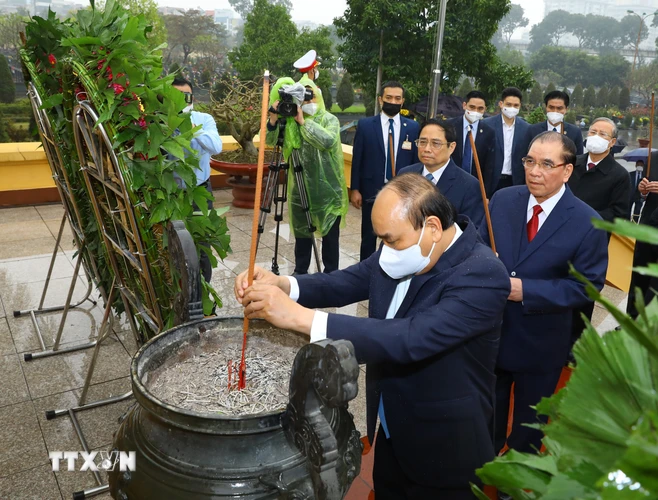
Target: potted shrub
(236, 106)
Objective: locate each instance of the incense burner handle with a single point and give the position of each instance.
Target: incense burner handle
(323, 380)
(184, 263)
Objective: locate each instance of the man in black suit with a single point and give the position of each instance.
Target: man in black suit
(637, 199)
(645, 253)
(383, 145)
(557, 104)
(436, 298)
(435, 145)
(603, 184)
(474, 108)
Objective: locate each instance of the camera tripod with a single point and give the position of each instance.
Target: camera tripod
(278, 193)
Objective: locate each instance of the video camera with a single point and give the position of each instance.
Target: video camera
(291, 96)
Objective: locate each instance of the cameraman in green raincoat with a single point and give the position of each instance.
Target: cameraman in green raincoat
(316, 134)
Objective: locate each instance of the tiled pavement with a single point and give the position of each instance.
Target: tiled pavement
(28, 389)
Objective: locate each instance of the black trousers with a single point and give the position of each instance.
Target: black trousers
(330, 251)
(529, 389)
(368, 238)
(391, 483)
(204, 261)
(644, 254)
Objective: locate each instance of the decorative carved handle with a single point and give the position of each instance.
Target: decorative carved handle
(323, 380)
(185, 265)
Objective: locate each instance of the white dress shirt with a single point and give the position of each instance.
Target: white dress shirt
(547, 206)
(436, 174)
(550, 127)
(396, 136)
(508, 141)
(319, 324)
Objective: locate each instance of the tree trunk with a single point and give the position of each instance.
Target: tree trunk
(248, 146)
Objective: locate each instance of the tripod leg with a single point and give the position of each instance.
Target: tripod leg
(279, 204)
(303, 196)
(266, 204)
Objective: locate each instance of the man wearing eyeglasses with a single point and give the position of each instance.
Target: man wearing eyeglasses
(604, 185)
(206, 142)
(539, 230)
(436, 143)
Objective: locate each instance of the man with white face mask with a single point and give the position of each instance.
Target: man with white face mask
(436, 295)
(557, 105)
(511, 144)
(604, 185)
(471, 123)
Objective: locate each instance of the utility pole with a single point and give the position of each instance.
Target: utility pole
(436, 66)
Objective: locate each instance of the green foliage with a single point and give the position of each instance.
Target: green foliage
(613, 97)
(602, 97)
(464, 88)
(577, 98)
(513, 20)
(7, 87)
(537, 115)
(149, 9)
(4, 137)
(577, 66)
(628, 119)
(324, 83)
(105, 56)
(174, 68)
(186, 32)
(244, 7)
(10, 27)
(589, 99)
(345, 94)
(408, 45)
(570, 117)
(549, 88)
(624, 98)
(536, 95)
(596, 32)
(511, 56)
(272, 41)
(369, 102)
(644, 79)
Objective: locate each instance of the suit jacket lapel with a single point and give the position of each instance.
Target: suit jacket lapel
(559, 215)
(446, 182)
(403, 134)
(580, 167)
(519, 213)
(500, 134)
(377, 128)
(386, 287)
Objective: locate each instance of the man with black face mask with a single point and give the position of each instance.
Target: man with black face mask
(383, 145)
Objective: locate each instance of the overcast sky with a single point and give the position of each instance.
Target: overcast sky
(324, 12)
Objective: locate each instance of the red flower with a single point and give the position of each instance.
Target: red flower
(142, 123)
(100, 63)
(52, 59)
(119, 75)
(117, 88)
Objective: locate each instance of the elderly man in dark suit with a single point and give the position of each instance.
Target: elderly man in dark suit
(603, 184)
(512, 139)
(435, 145)
(557, 104)
(383, 145)
(436, 296)
(471, 123)
(539, 230)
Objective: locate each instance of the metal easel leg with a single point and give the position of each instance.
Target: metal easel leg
(105, 332)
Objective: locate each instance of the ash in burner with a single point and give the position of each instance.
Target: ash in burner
(198, 378)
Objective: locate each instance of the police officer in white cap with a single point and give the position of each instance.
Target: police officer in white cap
(307, 65)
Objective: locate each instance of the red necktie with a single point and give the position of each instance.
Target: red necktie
(533, 223)
(590, 166)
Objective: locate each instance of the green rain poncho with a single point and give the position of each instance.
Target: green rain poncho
(321, 156)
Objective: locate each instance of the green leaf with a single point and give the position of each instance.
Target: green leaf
(641, 232)
(174, 148)
(78, 42)
(52, 101)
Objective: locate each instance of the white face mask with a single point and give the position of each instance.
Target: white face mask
(310, 108)
(473, 116)
(510, 112)
(554, 118)
(401, 263)
(596, 144)
(639, 168)
(189, 108)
